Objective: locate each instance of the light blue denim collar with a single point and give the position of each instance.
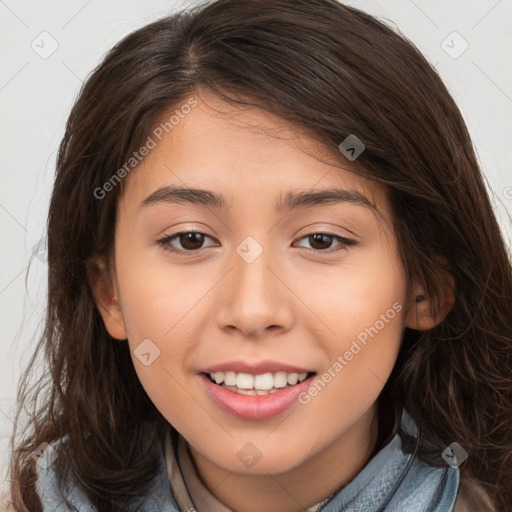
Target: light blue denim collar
(394, 480)
(397, 480)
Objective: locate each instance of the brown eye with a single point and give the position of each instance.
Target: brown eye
(187, 241)
(322, 242)
(191, 241)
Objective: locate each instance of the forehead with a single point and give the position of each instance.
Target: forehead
(240, 150)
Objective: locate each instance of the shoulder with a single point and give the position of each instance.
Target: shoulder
(68, 496)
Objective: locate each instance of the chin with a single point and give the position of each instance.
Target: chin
(250, 459)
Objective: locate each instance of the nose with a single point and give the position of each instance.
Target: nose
(255, 300)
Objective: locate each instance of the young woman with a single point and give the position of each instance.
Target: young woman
(276, 281)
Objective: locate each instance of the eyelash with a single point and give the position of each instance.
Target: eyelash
(165, 241)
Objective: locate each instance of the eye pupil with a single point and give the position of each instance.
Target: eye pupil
(194, 238)
(320, 238)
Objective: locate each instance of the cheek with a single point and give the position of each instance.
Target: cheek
(360, 358)
(160, 299)
(170, 392)
(350, 298)
(165, 310)
(360, 314)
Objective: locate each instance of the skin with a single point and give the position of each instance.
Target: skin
(291, 304)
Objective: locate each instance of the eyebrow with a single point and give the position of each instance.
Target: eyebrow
(291, 201)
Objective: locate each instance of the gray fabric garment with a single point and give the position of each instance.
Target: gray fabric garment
(394, 480)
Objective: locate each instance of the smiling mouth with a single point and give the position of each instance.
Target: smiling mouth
(257, 385)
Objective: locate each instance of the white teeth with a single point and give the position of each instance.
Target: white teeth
(292, 378)
(230, 379)
(265, 381)
(244, 381)
(246, 391)
(280, 380)
(262, 383)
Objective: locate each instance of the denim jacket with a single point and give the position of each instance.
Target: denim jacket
(394, 480)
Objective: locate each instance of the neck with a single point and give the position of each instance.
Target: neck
(301, 487)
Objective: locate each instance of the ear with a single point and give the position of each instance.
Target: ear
(104, 290)
(420, 315)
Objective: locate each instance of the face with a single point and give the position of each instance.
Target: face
(256, 283)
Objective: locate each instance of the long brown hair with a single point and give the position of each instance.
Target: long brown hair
(331, 70)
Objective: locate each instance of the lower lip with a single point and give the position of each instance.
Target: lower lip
(255, 407)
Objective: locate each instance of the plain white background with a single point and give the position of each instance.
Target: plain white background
(36, 95)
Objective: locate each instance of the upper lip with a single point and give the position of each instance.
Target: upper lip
(255, 367)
